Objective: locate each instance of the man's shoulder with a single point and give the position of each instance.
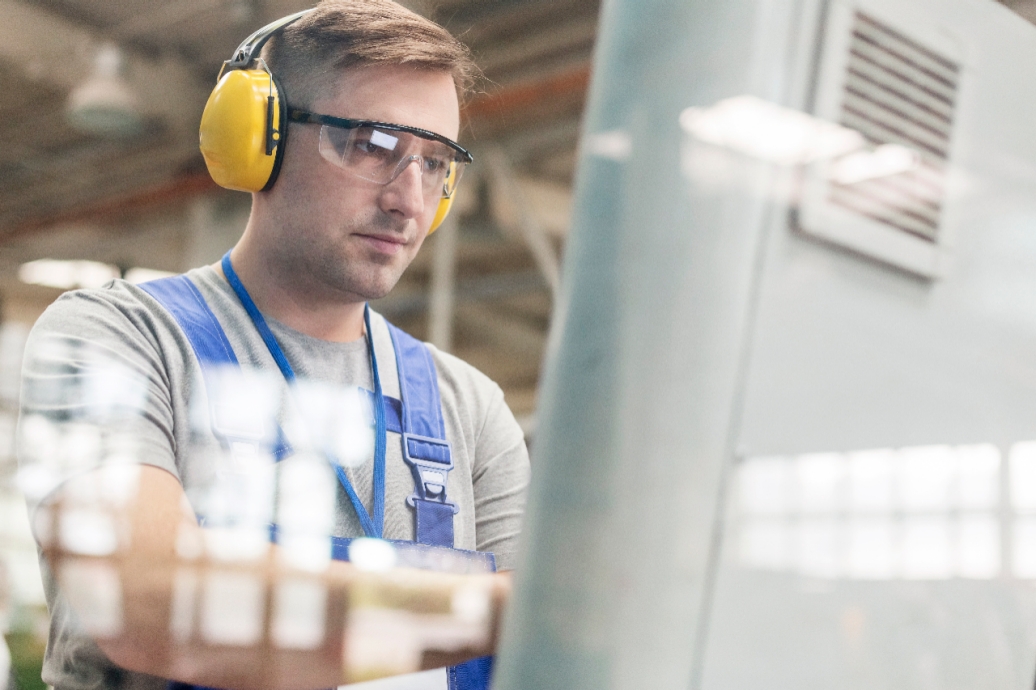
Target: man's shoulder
(120, 313)
(115, 306)
(473, 396)
(459, 374)
(460, 383)
(115, 297)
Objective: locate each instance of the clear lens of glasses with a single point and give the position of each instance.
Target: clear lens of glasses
(380, 155)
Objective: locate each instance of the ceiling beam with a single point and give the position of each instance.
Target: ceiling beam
(177, 189)
(558, 38)
(515, 98)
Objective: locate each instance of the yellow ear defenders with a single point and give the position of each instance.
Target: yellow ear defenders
(244, 126)
(242, 135)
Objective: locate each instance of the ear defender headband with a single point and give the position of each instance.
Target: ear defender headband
(244, 125)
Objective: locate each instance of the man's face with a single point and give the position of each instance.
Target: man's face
(344, 233)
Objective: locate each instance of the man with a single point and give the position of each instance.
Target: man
(126, 444)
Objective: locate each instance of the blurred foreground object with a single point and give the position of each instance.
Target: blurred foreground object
(155, 590)
(786, 429)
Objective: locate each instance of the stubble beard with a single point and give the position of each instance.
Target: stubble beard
(340, 264)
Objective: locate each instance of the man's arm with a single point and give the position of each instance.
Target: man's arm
(161, 595)
(171, 622)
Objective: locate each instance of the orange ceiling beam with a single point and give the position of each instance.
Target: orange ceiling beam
(501, 103)
(181, 187)
(522, 96)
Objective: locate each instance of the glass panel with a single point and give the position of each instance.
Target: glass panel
(788, 425)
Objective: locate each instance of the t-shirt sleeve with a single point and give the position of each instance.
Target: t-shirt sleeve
(94, 391)
(500, 478)
(495, 447)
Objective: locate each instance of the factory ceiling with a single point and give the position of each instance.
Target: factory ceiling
(173, 49)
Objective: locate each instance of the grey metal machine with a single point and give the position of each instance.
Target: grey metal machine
(786, 431)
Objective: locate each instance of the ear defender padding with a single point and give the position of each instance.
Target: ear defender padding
(445, 203)
(241, 134)
(441, 212)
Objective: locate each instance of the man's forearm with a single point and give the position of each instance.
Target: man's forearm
(368, 624)
(171, 602)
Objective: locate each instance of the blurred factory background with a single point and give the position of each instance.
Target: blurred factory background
(100, 176)
(1026, 8)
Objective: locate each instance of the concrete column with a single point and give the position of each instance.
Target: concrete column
(443, 292)
(214, 224)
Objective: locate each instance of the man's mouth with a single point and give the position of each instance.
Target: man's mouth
(385, 243)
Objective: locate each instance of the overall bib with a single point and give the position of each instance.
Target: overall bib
(416, 416)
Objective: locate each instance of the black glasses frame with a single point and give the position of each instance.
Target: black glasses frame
(304, 117)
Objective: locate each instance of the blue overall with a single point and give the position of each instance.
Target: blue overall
(416, 416)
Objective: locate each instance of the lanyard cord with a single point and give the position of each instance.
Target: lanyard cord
(373, 525)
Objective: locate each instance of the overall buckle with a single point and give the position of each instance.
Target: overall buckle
(430, 460)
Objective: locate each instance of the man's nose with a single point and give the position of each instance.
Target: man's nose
(405, 193)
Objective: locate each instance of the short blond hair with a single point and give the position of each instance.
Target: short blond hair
(340, 34)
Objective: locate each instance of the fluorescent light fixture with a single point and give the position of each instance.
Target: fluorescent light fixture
(769, 132)
(104, 104)
(884, 161)
(68, 275)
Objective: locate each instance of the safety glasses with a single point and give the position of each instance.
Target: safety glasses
(380, 151)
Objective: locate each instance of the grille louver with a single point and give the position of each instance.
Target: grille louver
(898, 91)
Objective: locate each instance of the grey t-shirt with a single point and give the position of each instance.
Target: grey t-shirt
(88, 334)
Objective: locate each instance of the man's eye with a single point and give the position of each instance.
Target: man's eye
(436, 165)
(369, 148)
(365, 146)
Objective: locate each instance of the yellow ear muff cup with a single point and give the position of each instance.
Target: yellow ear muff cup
(233, 134)
(441, 212)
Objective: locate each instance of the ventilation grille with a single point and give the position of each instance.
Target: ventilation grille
(899, 92)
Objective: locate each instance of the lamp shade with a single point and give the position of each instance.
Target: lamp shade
(104, 104)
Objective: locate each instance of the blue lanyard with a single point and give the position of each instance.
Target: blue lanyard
(373, 525)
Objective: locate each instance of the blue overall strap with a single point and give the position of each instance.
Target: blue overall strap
(425, 448)
(393, 411)
(471, 675)
(428, 453)
(185, 303)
